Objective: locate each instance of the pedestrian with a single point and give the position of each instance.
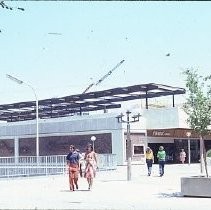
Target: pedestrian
(161, 155)
(149, 160)
(91, 165)
(73, 167)
(182, 156)
(81, 162)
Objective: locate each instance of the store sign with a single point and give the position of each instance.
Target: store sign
(176, 133)
(159, 133)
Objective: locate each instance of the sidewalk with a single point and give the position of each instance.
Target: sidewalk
(111, 190)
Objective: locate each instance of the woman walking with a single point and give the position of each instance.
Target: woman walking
(73, 167)
(182, 156)
(91, 165)
(149, 160)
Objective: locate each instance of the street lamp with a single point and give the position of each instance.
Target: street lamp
(20, 82)
(120, 119)
(188, 134)
(93, 138)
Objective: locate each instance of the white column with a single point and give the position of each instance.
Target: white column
(16, 148)
(189, 155)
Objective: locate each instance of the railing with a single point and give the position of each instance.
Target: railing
(106, 162)
(46, 165)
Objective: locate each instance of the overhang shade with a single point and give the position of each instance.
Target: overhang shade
(83, 103)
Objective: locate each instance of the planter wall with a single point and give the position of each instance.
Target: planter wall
(196, 186)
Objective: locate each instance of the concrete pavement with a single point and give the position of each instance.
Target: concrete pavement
(111, 190)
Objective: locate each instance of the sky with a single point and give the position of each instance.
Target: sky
(60, 47)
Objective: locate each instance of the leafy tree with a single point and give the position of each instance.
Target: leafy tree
(198, 108)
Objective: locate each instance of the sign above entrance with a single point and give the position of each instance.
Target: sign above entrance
(160, 133)
(172, 132)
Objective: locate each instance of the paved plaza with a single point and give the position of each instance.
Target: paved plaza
(111, 190)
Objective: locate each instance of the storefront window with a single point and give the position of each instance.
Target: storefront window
(138, 149)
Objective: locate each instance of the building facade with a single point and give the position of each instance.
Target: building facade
(157, 126)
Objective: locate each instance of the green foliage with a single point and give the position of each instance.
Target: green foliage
(198, 103)
(209, 153)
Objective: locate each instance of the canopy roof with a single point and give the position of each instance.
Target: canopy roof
(87, 102)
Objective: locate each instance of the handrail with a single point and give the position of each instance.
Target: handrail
(46, 165)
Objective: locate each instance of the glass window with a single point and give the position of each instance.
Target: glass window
(138, 149)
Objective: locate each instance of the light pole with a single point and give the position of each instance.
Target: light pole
(20, 82)
(188, 134)
(93, 138)
(129, 144)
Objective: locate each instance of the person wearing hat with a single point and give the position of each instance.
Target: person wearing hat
(161, 155)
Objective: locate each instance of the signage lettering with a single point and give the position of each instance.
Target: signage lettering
(160, 133)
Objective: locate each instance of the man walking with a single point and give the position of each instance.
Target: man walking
(73, 165)
(161, 155)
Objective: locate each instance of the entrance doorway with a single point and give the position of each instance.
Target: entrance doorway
(183, 144)
(168, 147)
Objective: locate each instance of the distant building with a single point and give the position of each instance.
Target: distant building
(70, 120)
(157, 126)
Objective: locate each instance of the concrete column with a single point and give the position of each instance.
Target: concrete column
(16, 143)
(118, 145)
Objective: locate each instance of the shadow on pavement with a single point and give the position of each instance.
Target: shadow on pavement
(74, 191)
(114, 180)
(170, 195)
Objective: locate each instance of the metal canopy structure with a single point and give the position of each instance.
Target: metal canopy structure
(87, 102)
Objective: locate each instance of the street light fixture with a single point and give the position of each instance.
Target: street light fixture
(129, 144)
(188, 134)
(20, 82)
(93, 138)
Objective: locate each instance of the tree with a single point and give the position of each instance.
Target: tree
(198, 108)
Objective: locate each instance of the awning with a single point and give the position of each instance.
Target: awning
(86, 102)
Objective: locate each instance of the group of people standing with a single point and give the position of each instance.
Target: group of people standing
(161, 155)
(74, 163)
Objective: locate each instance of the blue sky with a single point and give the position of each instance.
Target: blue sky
(95, 36)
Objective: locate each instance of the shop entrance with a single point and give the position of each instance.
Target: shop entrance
(183, 144)
(173, 150)
(168, 147)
